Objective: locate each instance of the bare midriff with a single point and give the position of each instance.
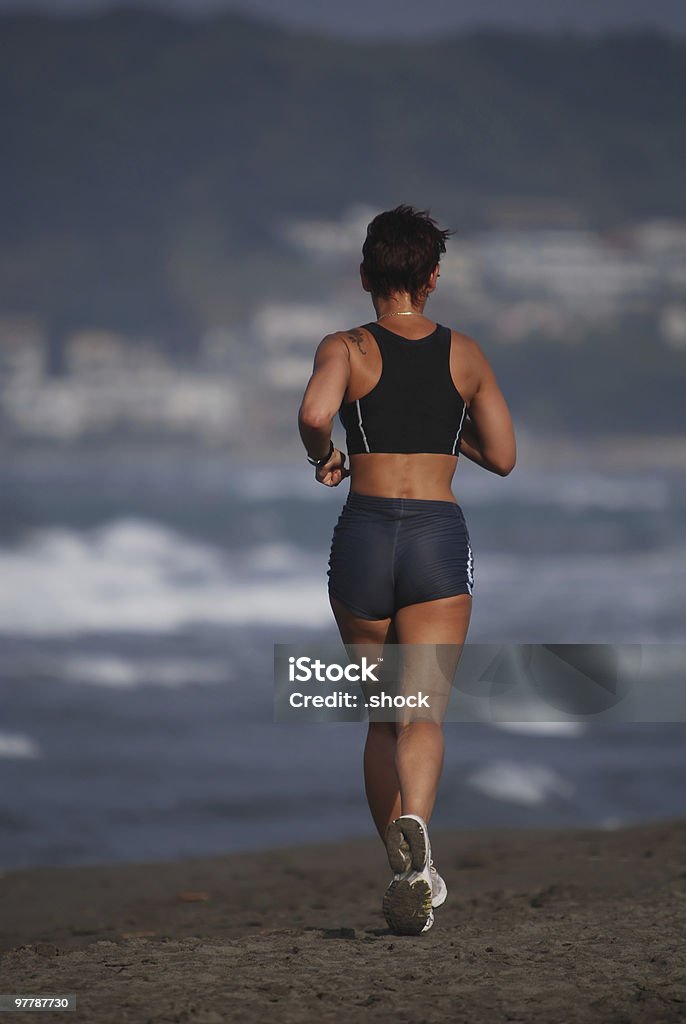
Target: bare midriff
(401, 475)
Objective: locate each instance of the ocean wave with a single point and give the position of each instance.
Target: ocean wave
(570, 490)
(18, 745)
(566, 488)
(273, 483)
(116, 672)
(565, 729)
(629, 597)
(520, 783)
(141, 576)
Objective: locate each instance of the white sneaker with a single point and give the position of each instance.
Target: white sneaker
(397, 849)
(439, 890)
(407, 844)
(407, 902)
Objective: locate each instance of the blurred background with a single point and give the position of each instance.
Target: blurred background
(185, 189)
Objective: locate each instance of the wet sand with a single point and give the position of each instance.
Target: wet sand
(539, 926)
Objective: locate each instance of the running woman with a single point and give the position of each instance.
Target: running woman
(412, 396)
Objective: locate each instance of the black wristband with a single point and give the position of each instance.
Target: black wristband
(325, 458)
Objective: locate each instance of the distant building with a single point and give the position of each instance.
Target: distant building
(116, 387)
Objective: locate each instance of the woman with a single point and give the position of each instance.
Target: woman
(401, 565)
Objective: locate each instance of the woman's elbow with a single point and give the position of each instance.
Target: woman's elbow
(500, 460)
(314, 416)
(504, 466)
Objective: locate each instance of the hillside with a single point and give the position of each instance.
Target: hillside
(135, 140)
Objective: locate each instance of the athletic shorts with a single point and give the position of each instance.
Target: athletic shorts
(390, 552)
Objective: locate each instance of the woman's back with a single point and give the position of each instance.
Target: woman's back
(405, 407)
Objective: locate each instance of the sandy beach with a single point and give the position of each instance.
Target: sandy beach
(539, 926)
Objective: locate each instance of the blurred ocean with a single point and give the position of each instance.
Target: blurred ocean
(141, 595)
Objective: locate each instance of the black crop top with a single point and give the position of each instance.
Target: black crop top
(414, 406)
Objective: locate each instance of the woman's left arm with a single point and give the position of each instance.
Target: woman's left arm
(321, 401)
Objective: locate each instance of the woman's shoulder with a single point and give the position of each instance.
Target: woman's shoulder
(469, 362)
(467, 345)
(356, 338)
(463, 338)
(467, 359)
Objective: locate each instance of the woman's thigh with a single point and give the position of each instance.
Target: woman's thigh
(442, 621)
(357, 630)
(432, 636)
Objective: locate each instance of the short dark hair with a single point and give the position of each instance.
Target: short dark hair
(400, 251)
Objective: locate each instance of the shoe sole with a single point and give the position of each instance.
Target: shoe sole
(407, 906)
(406, 846)
(397, 849)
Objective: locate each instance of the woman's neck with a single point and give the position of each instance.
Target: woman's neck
(399, 305)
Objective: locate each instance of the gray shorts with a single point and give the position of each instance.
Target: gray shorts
(390, 552)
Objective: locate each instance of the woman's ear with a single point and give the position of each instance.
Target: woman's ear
(433, 279)
(363, 278)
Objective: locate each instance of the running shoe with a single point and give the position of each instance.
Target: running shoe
(407, 902)
(407, 844)
(439, 890)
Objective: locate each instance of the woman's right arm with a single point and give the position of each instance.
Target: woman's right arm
(488, 435)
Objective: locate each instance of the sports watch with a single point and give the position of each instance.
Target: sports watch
(325, 458)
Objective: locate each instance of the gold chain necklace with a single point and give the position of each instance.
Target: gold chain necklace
(400, 312)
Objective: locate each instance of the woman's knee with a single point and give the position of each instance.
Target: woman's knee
(403, 729)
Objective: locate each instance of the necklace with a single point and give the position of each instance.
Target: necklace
(400, 312)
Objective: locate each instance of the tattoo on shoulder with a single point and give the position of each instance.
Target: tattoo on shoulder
(357, 337)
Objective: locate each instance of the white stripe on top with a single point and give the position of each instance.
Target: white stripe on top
(464, 409)
(359, 423)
